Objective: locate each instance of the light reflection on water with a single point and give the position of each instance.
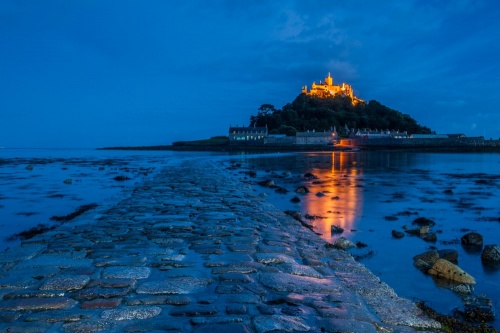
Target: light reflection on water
(372, 186)
(342, 203)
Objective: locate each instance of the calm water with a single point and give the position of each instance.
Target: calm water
(373, 185)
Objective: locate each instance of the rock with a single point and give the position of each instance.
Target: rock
(274, 258)
(462, 289)
(478, 309)
(280, 190)
(397, 234)
(277, 323)
(37, 304)
(310, 176)
(472, 239)
(68, 181)
(320, 194)
(121, 178)
(300, 270)
(289, 283)
(426, 260)
(70, 282)
(295, 214)
(336, 197)
(251, 173)
(422, 231)
(343, 243)
(361, 245)
(422, 221)
(491, 255)
(450, 255)
(295, 200)
(267, 183)
(126, 272)
(337, 229)
(131, 313)
(302, 189)
(444, 269)
(431, 237)
(180, 285)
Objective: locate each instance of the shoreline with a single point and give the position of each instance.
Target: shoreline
(193, 251)
(305, 148)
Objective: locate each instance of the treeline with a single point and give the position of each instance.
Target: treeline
(320, 114)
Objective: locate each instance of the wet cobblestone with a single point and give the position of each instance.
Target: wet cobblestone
(193, 250)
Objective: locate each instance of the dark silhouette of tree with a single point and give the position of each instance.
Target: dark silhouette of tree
(320, 114)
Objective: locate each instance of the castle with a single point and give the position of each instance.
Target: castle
(329, 89)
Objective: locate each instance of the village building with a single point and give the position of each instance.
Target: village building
(316, 138)
(429, 136)
(247, 135)
(379, 134)
(329, 89)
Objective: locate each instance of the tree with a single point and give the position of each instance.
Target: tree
(317, 113)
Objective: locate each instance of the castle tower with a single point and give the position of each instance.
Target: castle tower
(329, 80)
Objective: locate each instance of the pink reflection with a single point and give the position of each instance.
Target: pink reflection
(342, 203)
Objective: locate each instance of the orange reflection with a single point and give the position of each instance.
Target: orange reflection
(342, 203)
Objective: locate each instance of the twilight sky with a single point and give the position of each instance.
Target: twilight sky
(92, 73)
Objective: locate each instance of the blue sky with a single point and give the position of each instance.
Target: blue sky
(103, 73)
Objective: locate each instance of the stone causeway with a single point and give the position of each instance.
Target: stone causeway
(193, 249)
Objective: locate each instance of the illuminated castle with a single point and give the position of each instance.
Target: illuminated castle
(329, 89)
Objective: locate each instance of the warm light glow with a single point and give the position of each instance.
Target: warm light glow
(329, 89)
(342, 203)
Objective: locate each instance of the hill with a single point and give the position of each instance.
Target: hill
(308, 112)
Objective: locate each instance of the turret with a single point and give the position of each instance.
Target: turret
(329, 80)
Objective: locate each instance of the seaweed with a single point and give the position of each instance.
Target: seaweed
(30, 233)
(79, 211)
(454, 325)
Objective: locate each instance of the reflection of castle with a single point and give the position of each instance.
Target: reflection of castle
(329, 89)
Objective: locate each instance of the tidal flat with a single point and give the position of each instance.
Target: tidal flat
(371, 194)
(193, 250)
(367, 194)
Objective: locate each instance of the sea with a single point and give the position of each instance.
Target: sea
(366, 193)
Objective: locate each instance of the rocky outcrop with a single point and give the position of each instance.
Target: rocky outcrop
(310, 176)
(424, 222)
(477, 309)
(336, 229)
(426, 260)
(491, 255)
(472, 239)
(302, 189)
(444, 269)
(448, 254)
(397, 234)
(343, 244)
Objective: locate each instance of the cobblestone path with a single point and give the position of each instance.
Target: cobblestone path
(193, 250)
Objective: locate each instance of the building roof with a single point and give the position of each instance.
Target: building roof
(314, 134)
